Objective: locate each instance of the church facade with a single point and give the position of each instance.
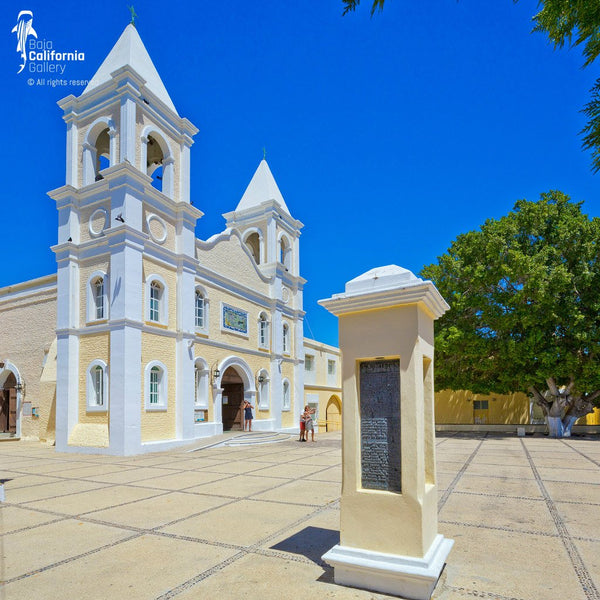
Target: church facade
(148, 337)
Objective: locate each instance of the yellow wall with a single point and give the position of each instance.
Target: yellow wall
(91, 347)
(28, 327)
(591, 419)
(456, 407)
(159, 425)
(85, 273)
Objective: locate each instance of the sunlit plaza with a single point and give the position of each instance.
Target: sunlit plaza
(252, 520)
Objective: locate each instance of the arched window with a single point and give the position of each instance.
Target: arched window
(286, 338)
(286, 401)
(155, 377)
(154, 163)
(97, 387)
(156, 386)
(263, 331)
(97, 294)
(200, 312)
(157, 160)
(99, 298)
(102, 153)
(98, 150)
(285, 252)
(156, 292)
(156, 300)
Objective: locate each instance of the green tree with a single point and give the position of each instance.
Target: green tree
(525, 304)
(350, 5)
(570, 22)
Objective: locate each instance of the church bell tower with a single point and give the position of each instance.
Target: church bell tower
(125, 260)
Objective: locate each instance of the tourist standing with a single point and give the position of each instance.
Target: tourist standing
(308, 422)
(248, 415)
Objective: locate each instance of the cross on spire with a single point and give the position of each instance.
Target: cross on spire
(133, 14)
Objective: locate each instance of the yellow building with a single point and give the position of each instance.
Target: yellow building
(147, 337)
(323, 384)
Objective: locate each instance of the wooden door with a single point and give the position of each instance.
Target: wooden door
(3, 411)
(233, 418)
(12, 410)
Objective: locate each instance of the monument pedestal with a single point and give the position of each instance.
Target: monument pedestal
(406, 576)
(389, 540)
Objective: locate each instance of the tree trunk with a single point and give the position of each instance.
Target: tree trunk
(562, 408)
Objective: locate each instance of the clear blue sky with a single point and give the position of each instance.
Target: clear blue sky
(387, 136)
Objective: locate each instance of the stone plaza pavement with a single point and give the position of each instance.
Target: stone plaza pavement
(252, 522)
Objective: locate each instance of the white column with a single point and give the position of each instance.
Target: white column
(184, 173)
(271, 234)
(67, 361)
(67, 388)
(126, 379)
(389, 541)
(168, 177)
(71, 159)
(126, 373)
(127, 137)
(89, 163)
(217, 408)
(185, 392)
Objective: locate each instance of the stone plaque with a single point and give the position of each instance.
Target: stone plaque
(379, 401)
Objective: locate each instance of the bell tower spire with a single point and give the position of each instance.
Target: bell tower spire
(125, 236)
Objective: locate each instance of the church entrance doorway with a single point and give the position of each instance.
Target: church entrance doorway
(8, 405)
(233, 398)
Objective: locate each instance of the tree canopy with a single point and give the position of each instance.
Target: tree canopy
(524, 292)
(570, 22)
(350, 5)
(577, 22)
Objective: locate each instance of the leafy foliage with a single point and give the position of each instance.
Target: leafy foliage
(564, 19)
(351, 5)
(571, 22)
(524, 297)
(577, 22)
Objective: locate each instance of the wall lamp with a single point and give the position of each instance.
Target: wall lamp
(261, 379)
(216, 373)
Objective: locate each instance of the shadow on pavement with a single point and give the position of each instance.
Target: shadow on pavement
(311, 542)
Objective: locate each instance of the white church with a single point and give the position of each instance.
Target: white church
(147, 337)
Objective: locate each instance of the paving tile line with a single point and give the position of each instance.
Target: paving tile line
(583, 575)
(499, 528)
(152, 531)
(596, 462)
(503, 477)
(253, 549)
(577, 502)
(137, 533)
(479, 593)
(444, 498)
(80, 516)
(69, 559)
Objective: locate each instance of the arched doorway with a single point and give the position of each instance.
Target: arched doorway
(334, 414)
(232, 399)
(8, 405)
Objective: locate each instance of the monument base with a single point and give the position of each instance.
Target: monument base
(405, 576)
